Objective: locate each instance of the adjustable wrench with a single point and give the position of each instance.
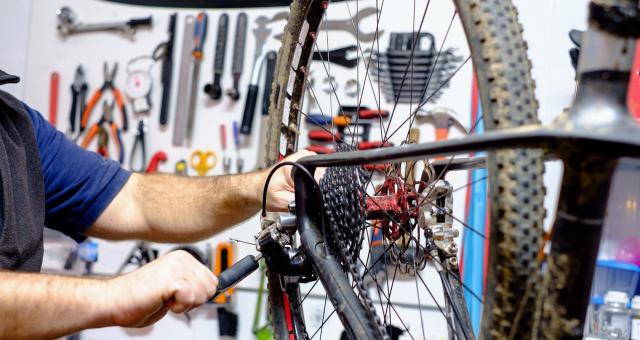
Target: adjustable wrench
(238, 55)
(349, 25)
(67, 24)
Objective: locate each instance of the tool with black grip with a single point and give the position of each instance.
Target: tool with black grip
(167, 71)
(236, 273)
(214, 90)
(238, 55)
(78, 102)
(199, 35)
(271, 59)
(68, 24)
(261, 33)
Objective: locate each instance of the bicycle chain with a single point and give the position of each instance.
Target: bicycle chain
(343, 191)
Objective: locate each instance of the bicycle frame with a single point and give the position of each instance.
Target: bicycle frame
(589, 138)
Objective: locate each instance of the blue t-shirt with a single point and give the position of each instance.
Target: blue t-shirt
(78, 184)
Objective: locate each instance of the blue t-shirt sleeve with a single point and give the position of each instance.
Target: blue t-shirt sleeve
(79, 184)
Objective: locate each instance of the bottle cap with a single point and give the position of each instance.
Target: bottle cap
(635, 302)
(616, 297)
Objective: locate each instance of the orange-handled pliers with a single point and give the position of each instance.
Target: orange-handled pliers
(117, 95)
(103, 137)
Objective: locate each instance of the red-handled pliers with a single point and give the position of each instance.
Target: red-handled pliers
(98, 129)
(117, 95)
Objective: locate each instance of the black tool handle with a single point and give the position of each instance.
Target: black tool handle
(249, 110)
(268, 81)
(135, 22)
(74, 108)
(167, 72)
(236, 273)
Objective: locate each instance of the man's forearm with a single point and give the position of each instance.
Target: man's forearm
(167, 208)
(49, 306)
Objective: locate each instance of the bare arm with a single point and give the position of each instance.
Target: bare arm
(49, 306)
(35, 306)
(167, 208)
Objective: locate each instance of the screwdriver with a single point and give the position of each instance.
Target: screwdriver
(324, 136)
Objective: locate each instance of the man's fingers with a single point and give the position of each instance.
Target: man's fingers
(184, 296)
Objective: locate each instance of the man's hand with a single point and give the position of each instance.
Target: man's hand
(175, 282)
(280, 191)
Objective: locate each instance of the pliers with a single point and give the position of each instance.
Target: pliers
(139, 143)
(117, 95)
(103, 135)
(78, 101)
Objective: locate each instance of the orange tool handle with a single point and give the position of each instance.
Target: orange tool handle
(224, 259)
(89, 108)
(223, 136)
(324, 136)
(53, 97)
(89, 137)
(123, 109)
(369, 113)
(320, 149)
(373, 145)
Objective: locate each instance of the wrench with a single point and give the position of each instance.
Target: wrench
(349, 25)
(67, 24)
(339, 56)
(261, 32)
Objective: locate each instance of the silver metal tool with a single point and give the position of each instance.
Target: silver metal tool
(261, 32)
(67, 24)
(214, 90)
(349, 25)
(184, 77)
(199, 35)
(238, 55)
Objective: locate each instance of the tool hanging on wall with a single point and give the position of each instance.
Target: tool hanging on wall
(199, 35)
(225, 255)
(182, 102)
(181, 168)
(139, 147)
(226, 160)
(167, 69)
(157, 158)
(78, 102)
(54, 84)
(413, 74)
(270, 60)
(117, 95)
(97, 129)
(203, 161)
(139, 83)
(214, 90)
(261, 33)
(350, 25)
(68, 25)
(340, 56)
(236, 142)
(238, 55)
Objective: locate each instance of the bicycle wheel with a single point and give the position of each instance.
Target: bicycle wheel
(506, 91)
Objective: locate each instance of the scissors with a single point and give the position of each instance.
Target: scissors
(203, 161)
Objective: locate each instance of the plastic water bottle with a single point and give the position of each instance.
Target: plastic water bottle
(635, 318)
(614, 317)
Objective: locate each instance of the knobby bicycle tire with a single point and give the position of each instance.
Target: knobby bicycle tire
(506, 91)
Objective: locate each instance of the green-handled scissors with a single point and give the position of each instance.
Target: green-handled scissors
(203, 161)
